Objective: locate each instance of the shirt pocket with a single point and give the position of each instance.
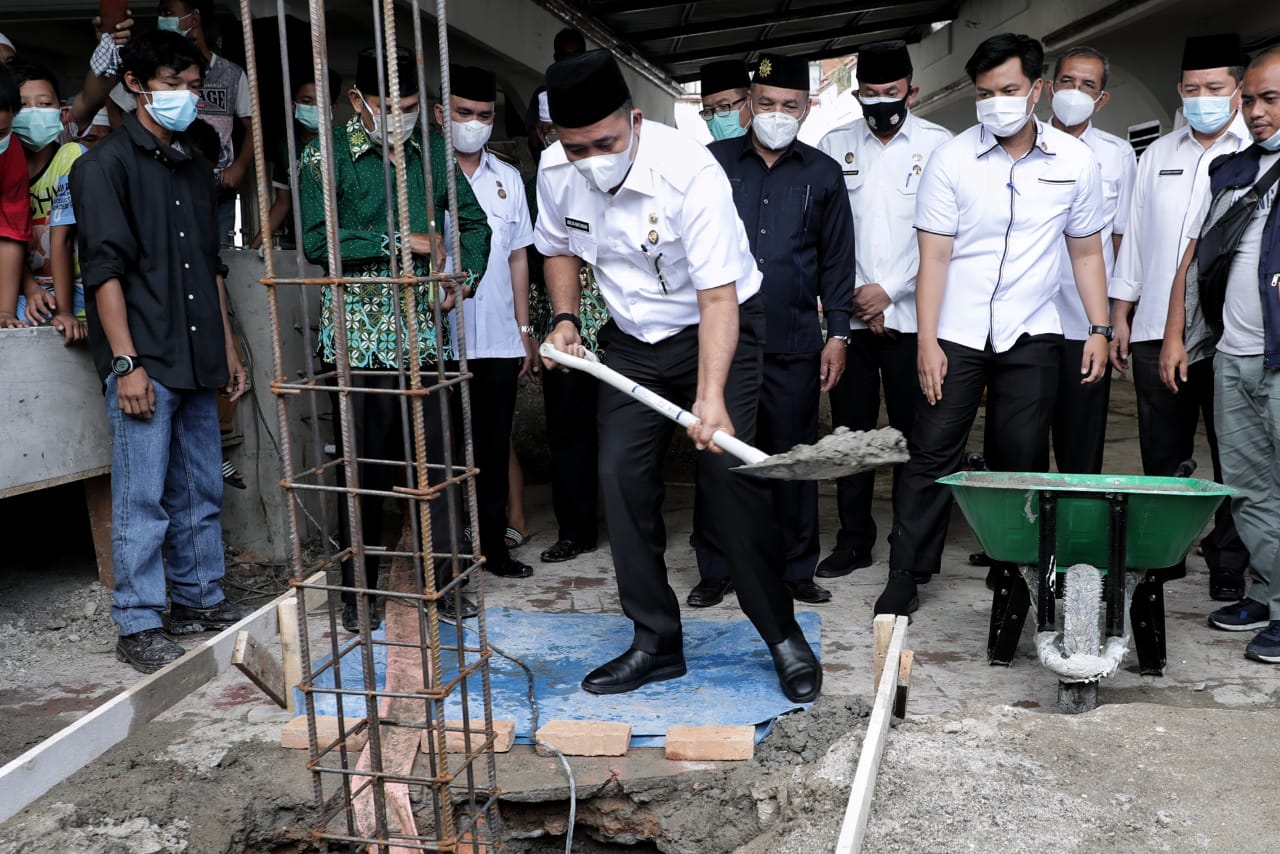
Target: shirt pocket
(583, 245)
(853, 180)
(1055, 193)
(799, 209)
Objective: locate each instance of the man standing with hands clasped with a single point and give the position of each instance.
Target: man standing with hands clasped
(993, 207)
(652, 211)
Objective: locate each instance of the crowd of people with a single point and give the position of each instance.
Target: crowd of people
(1015, 264)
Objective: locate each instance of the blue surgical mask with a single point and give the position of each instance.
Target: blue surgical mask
(4, 142)
(38, 127)
(173, 109)
(726, 126)
(307, 115)
(1271, 143)
(173, 24)
(1208, 113)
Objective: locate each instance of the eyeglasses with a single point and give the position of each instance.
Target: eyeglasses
(721, 109)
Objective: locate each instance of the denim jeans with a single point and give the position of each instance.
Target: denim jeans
(166, 490)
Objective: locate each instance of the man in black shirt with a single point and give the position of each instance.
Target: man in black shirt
(791, 199)
(146, 209)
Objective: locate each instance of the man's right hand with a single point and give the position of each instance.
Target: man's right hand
(566, 339)
(1173, 363)
(931, 368)
(1120, 346)
(136, 394)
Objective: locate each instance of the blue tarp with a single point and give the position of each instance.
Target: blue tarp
(731, 680)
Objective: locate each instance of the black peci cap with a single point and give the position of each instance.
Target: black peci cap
(883, 62)
(1223, 50)
(785, 72)
(367, 73)
(584, 89)
(724, 75)
(472, 83)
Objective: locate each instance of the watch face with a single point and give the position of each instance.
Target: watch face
(122, 364)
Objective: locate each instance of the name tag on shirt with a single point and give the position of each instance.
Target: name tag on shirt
(1170, 171)
(580, 225)
(851, 171)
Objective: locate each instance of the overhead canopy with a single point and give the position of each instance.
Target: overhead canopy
(681, 37)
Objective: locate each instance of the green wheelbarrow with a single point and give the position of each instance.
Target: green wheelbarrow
(1053, 521)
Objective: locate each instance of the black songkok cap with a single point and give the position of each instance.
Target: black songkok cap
(883, 62)
(584, 89)
(785, 72)
(474, 84)
(1223, 50)
(723, 76)
(367, 73)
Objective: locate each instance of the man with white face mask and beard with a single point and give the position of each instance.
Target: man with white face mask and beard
(993, 207)
(652, 212)
(499, 339)
(1172, 185)
(791, 199)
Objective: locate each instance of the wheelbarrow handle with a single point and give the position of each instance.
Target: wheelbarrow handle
(588, 363)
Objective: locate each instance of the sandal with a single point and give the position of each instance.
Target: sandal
(231, 475)
(514, 538)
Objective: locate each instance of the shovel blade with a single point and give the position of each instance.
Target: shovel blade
(843, 452)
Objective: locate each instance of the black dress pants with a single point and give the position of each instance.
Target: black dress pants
(1021, 385)
(569, 398)
(1167, 436)
(1079, 415)
(493, 408)
(872, 361)
(377, 421)
(787, 416)
(633, 443)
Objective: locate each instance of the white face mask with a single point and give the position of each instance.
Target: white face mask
(470, 136)
(775, 131)
(1004, 115)
(410, 121)
(606, 171)
(1073, 107)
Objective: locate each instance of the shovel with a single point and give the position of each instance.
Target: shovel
(841, 453)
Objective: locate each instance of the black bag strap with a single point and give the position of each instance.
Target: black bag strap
(1257, 192)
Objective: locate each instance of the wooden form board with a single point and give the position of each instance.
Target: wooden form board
(858, 809)
(27, 777)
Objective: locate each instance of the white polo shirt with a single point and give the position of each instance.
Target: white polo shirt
(882, 179)
(492, 330)
(674, 215)
(1119, 168)
(1171, 188)
(1008, 218)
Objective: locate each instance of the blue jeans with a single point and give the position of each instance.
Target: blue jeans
(166, 490)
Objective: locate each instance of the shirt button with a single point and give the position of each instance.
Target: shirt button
(761, 262)
(764, 231)
(182, 234)
(764, 201)
(191, 296)
(177, 202)
(193, 329)
(186, 266)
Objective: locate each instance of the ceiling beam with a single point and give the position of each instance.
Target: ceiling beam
(622, 7)
(743, 48)
(746, 22)
(829, 51)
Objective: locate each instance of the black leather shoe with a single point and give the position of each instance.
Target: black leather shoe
(512, 569)
(710, 591)
(351, 618)
(148, 650)
(190, 621)
(566, 550)
(842, 562)
(1226, 587)
(899, 596)
(799, 672)
(632, 669)
(979, 559)
(808, 591)
(449, 611)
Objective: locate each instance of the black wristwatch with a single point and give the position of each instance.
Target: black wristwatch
(123, 365)
(572, 318)
(1108, 332)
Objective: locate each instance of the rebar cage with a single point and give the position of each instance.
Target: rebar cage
(404, 790)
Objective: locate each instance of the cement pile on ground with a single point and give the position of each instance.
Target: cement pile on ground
(842, 452)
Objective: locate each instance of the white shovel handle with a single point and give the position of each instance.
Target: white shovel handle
(591, 365)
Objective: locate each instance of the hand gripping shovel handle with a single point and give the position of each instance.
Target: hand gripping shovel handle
(591, 365)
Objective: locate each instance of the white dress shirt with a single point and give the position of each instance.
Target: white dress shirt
(1171, 188)
(1119, 167)
(882, 179)
(669, 231)
(492, 330)
(1008, 218)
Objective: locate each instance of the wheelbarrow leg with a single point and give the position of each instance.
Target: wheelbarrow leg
(1147, 614)
(1009, 605)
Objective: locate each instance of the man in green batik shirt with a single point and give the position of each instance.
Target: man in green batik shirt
(367, 247)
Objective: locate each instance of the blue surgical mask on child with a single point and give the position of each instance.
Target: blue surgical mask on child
(726, 126)
(173, 23)
(173, 109)
(307, 115)
(38, 127)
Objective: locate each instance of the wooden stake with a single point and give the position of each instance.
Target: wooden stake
(291, 662)
(97, 497)
(882, 632)
(261, 667)
(904, 684)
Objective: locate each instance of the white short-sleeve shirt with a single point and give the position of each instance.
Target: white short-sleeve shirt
(1008, 219)
(492, 331)
(669, 231)
(882, 179)
(1119, 168)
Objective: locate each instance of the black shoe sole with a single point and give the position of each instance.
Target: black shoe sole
(195, 627)
(659, 674)
(141, 666)
(813, 600)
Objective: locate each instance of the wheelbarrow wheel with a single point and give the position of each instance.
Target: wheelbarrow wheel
(1077, 697)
